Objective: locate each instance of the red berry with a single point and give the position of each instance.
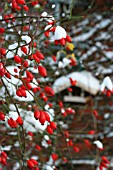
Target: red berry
(108, 93)
(17, 59)
(54, 156)
(104, 158)
(36, 114)
(12, 123)
(20, 2)
(21, 92)
(34, 2)
(2, 70)
(25, 64)
(1, 66)
(34, 161)
(18, 8)
(68, 38)
(3, 161)
(7, 74)
(15, 70)
(2, 30)
(12, 16)
(70, 111)
(49, 142)
(65, 159)
(42, 71)
(2, 116)
(19, 120)
(50, 104)
(42, 117)
(70, 89)
(62, 41)
(24, 49)
(3, 51)
(14, 4)
(30, 133)
(38, 147)
(35, 89)
(91, 132)
(30, 164)
(70, 143)
(49, 91)
(53, 125)
(29, 75)
(39, 55)
(73, 62)
(95, 113)
(25, 28)
(66, 133)
(28, 86)
(60, 104)
(4, 154)
(76, 149)
(35, 44)
(34, 56)
(56, 42)
(73, 82)
(26, 8)
(47, 116)
(54, 58)
(6, 18)
(49, 129)
(46, 33)
(87, 142)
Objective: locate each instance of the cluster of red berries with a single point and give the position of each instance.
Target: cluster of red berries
(16, 5)
(70, 142)
(3, 158)
(8, 18)
(59, 39)
(37, 57)
(32, 164)
(14, 123)
(104, 163)
(43, 116)
(3, 71)
(67, 111)
(108, 92)
(63, 41)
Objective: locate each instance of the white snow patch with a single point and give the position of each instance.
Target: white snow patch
(6, 148)
(13, 115)
(84, 79)
(98, 144)
(59, 33)
(26, 38)
(13, 46)
(44, 14)
(107, 83)
(53, 6)
(107, 115)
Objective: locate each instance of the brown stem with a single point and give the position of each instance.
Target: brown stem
(22, 149)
